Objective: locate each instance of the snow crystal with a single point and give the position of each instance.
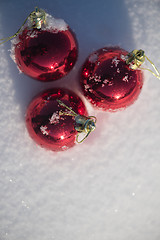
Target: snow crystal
(65, 148)
(123, 57)
(54, 119)
(44, 130)
(105, 50)
(86, 86)
(34, 34)
(106, 81)
(95, 77)
(118, 70)
(109, 83)
(14, 42)
(90, 90)
(125, 79)
(115, 61)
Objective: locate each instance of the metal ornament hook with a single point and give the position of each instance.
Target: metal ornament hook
(36, 19)
(83, 124)
(136, 58)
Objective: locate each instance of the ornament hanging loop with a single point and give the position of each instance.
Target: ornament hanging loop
(136, 58)
(35, 18)
(83, 124)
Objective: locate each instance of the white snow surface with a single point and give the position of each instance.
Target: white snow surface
(107, 188)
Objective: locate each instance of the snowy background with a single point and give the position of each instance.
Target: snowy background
(107, 188)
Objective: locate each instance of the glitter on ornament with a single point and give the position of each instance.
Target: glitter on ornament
(55, 119)
(44, 48)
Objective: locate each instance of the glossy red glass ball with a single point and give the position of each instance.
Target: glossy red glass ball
(46, 126)
(45, 55)
(108, 82)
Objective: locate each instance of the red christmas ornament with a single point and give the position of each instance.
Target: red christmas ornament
(55, 118)
(109, 81)
(45, 48)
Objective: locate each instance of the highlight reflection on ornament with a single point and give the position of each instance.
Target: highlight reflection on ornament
(44, 48)
(56, 118)
(112, 79)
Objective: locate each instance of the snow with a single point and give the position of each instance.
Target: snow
(44, 130)
(55, 118)
(56, 24)
(108, 187)
(115, 61)
(14, 41)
